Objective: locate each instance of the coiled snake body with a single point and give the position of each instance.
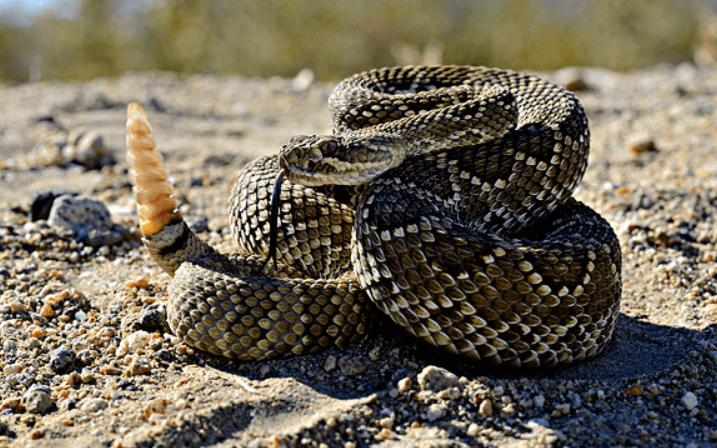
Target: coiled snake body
(443, 197)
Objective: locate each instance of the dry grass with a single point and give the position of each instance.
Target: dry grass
(338, 37)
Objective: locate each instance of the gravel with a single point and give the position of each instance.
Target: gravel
(85, 359)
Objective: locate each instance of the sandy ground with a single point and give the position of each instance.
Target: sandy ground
(84, 361)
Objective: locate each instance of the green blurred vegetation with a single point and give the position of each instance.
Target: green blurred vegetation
(338, 37)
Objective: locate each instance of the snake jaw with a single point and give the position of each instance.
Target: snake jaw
(351, 159)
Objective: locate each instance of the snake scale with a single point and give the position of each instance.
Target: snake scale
(443, 198)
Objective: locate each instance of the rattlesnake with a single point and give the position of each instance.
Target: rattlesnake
(443, 198)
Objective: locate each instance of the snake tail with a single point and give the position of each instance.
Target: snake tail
(165, 234)
(235, 305)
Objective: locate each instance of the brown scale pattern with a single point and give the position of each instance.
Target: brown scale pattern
(237, 306)
(315, 231)
(456, 220)
(477, 246)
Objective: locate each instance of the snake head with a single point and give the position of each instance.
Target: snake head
(340, 159)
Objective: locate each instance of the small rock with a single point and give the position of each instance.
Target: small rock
(32, 343)
(86, 357)
(9, 346)
(90, 150)
(538, 422)
(156, 406)
(135, 341)
(140, 282)
(87, 376)
(46, 311)
(139, 367)
(330, 363)
(689, 401)
(17, 307)
(350, 366)
(62, 359)
(387, 422)
(128, 385)
(38, 400)
(42, 201)
(13, 404)
(436, 379)
(436, 411)
(404, 384)
(375, 354)
(152, 319)
(303, 80)
(96, 404)
(563, 408)
(643, 146)
(485, 408)
(578, 85)
(87, 218)
(12, 369)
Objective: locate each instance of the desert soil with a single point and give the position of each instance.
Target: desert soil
(84, 359)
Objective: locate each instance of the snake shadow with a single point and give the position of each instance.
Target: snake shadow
(638, 347)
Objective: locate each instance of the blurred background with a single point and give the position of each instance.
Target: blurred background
(83, 39)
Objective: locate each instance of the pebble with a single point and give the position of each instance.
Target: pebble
(87, 218)
(17, 307)
(330, 363)
(133, 342)
(155, 406)
(303, 80)
(12, 369)
(62, 148)
(486, 408)
(436, 411)
(689, 401)
(87, 376)
(9, 346)
(350, 366)
(95, 404)
(436, 379)
(139, 367)
(42, 201)
(62, 359)
(642, 146)
(38, 400)
(46, 311)
(404, 384)
(563, 408)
